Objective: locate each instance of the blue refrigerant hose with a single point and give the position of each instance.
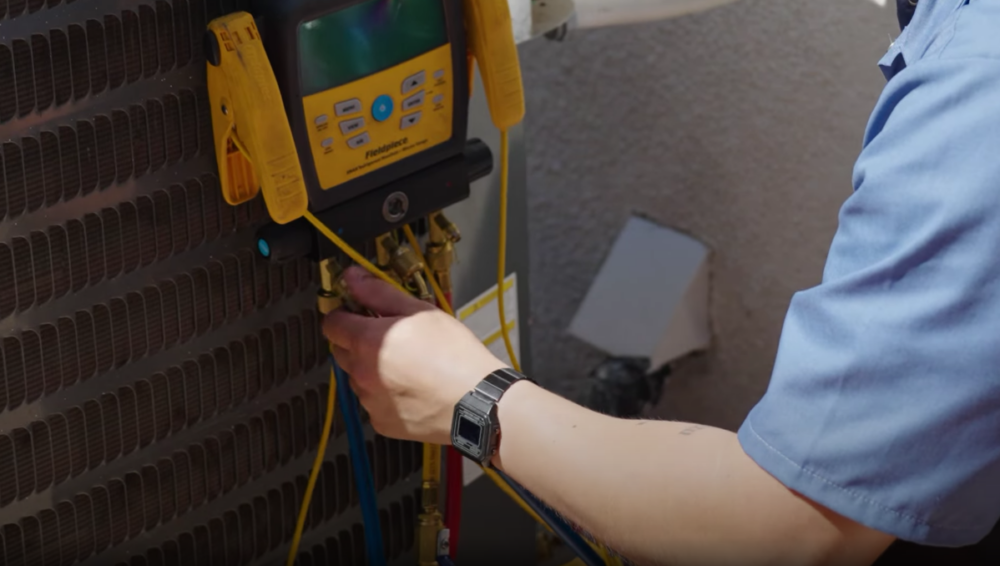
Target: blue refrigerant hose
(361, 465)
(369, 505)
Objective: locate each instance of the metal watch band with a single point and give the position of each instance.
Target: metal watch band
(497, 383)
(475, 429)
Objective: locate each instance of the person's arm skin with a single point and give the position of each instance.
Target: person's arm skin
(659, 492)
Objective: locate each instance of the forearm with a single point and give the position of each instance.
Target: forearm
(665, 492)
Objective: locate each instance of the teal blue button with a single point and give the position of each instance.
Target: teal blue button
(382, 108)
(263, 247)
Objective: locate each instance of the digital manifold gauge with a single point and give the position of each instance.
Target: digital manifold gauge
(332, 100)
(374, 90)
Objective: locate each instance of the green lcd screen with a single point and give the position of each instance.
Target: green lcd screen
(368, 37)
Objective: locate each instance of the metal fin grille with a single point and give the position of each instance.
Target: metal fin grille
(161, 388)
(256, 528)
(117, 333)
(165, 404)
(192, 477)
(54, 66)
(117, 240)
(91, 154)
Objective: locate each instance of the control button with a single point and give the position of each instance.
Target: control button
(412, 83)
(382, 108)
(414, 101)
(346, 107)
(351, 126)
(410, 120)
(439, 74)
(359, 140)
(322, 120)
(327, 142)
(439, 99)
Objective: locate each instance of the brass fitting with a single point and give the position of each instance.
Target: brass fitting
(430, 520)
(332, 293)
(405, 264)
(440, 223)
(420, 286)
(429, 524)
(382, 253)
(441, 249)
(384, 245)
(440, 258)
(429, 497)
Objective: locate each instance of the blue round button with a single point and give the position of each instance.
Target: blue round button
(382, 108)
(264, 247)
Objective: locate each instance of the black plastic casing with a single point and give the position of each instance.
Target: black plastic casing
(279, 21)
(361, 219)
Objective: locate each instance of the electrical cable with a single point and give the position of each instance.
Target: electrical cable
(362, 468)
(314, 474)
(560, 527)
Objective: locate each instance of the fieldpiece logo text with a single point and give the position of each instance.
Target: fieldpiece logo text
(384, 148)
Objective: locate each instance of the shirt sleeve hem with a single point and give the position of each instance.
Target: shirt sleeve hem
(849, 503)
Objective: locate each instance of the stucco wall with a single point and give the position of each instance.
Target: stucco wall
(739, 126)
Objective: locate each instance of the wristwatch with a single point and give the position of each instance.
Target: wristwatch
(475, 428)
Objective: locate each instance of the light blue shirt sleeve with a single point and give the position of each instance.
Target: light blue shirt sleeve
(884, 404)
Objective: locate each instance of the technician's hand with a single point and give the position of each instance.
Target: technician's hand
(410, 367)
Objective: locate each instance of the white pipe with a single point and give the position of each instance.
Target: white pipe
(598, 13)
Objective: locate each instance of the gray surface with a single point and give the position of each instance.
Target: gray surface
(628, 310)
(739, 126)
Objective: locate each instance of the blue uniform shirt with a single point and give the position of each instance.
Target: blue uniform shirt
(884, 405)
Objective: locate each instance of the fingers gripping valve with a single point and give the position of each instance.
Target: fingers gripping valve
(333, 293)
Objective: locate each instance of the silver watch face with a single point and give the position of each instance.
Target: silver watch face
(469, 433)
